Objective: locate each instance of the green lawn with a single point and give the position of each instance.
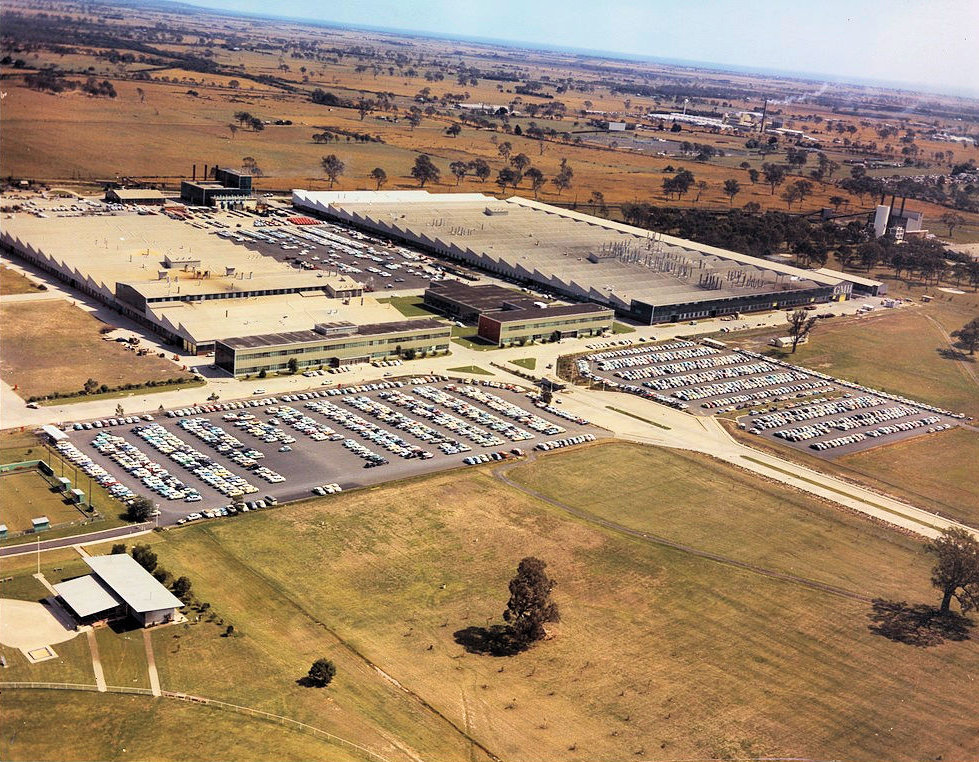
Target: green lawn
(409, 306)
(471, 369)
(530, 363)
(123, 658)
(664, 648)
(27, 495)
(622, 328)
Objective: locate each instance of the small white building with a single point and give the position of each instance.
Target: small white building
(119, 585)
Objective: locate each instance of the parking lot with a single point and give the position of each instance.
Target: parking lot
(803, 408)
(198, 459)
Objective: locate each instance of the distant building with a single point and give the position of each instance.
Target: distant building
(229, 189)
(118, 586)
(461, 301)
(141, 196)
(900, 225)
(616, 126)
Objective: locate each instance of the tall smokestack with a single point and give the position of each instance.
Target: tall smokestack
(205, 171)
(764, 115)
(903, 199)
(194, 178)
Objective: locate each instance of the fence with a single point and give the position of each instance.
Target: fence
(287, 722)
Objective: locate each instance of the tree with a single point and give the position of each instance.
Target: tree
(731, 189)
(952, 220)
(774, 175)
(790, 195)
(968, 335)
(701, 187)
(530, 605)
(505, 148)
(181, 588)
(90, 386)
(293, 365)
(333, 167)
(956, 572)
(870, 254)
(453, 130)
(520, 162)
(507, 177)
(752, 207)
(804, 188)
(564, 176)
(139, 509)
(536, 178)
(460, 169)
(836, 202)
(144, 557)
(425, 171)
(379, 176)
(480, 168)
(118, 548)
(233, 129)
(321, 674)
(753, 175)
(800, 326)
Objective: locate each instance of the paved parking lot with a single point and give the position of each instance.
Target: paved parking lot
(285, 446)
(809, 410)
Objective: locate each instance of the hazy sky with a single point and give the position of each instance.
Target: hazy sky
(930, 42)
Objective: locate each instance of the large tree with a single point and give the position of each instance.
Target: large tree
(480, 168)
(774, 175)
(425, 171)
(801, 324)
(321, 673)
(530, 606)
(956, 571)
(139, 509)
(460, 169)
(536, 178)
(379, 176)
(731, 189)
(145, 557)
(968, 335)
(333, 167)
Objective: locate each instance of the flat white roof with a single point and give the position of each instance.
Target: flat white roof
(849, 277)
(132, 583)
(55, 433)
(86, 595)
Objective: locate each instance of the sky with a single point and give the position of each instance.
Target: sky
(930, 43)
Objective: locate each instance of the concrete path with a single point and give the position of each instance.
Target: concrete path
(151, 661)
(43, 580)
(96, 661)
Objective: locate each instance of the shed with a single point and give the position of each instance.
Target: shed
(77, 496)
(3, 530)
(40, 523)
(53, 433)
(64, 483)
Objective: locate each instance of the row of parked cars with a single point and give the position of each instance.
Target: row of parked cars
(508, 409)
(204, 468)
(843, 423)
(217, 438)
(818, 408)
(370, 431)
(108, 422)
(678, 366)
(230, 510)
(556, 444)
(91, 468)
(707, 376)
(487, 457)
(327, 489)
(152, 474)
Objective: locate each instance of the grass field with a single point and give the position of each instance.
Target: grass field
(530, 363)
(123, 657)
(472, 369)
(622, 328)
(114, 727)
(12, 282)
(27, 495)
(659, 651)
(409, 306)
(903, 351)
(53, 346)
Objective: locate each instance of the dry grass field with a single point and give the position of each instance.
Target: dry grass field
(26, 495)
(53, 346)
(12, 282)
(660, 653)
(157, 126)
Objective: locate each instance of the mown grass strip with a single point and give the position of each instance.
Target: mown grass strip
(637, 417)
(839, 491)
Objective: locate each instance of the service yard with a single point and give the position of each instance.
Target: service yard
(312, 443)
(771, 397)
